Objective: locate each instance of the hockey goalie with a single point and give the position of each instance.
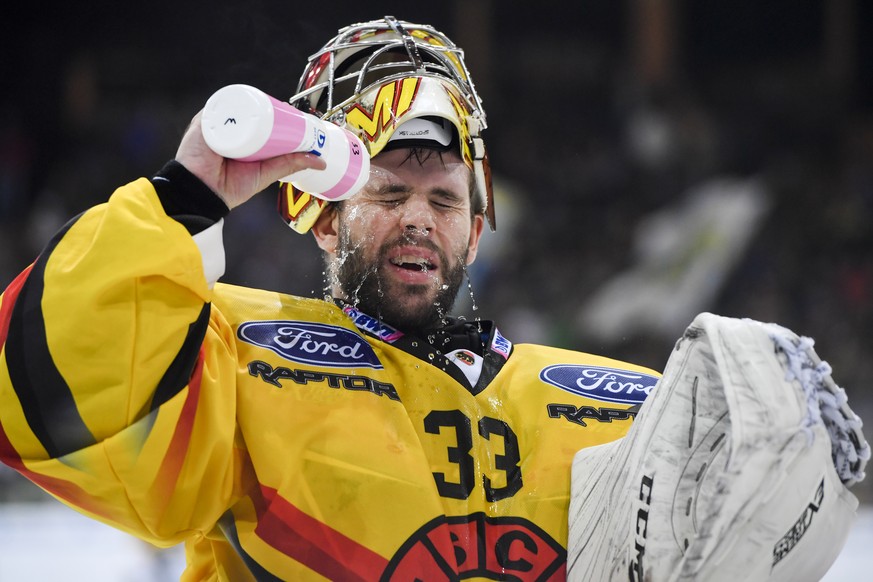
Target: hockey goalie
(737, 468)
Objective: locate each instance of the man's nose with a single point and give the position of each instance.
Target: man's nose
(417, 213)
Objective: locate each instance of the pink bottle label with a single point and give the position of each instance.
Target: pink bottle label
(288, 134)
(353, 171)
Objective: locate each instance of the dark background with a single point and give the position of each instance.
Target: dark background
(95, 95)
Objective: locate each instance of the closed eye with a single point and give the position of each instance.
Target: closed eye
(446, 198)
(391, 202)
(391, 194)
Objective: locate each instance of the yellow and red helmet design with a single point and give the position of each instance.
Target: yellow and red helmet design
(374, 77)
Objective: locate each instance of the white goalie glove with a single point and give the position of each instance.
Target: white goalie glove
(736, 468)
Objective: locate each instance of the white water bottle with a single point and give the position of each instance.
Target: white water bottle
(244, 123)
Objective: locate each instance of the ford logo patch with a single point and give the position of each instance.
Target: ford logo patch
(317, 344)
(599, 383)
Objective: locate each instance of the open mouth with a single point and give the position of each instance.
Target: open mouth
(412, 263)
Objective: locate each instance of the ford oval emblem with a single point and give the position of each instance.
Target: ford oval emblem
(316, 344)
(600, 383)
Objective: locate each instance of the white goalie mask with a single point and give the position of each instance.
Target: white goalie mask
(393, 84)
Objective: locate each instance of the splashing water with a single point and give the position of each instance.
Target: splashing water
(473, 304)
(475, 307)
(331, 276)
(371, 290)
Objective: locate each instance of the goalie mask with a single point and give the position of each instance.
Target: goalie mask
(393, 84)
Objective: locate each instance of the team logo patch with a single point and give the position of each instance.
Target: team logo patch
(316, 344)
(479, 546)
(600, 383)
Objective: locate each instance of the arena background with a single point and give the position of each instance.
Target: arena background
(653, 159)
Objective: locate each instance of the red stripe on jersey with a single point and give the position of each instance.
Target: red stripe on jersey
(9, 297)
(66, 490)
(171, 466)
(315, 544)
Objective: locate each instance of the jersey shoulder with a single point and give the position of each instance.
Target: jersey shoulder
(534, 354)
(239, 304)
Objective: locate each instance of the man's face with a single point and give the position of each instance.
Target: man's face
(401, 245)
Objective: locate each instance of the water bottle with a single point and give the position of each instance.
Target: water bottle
(244, 123)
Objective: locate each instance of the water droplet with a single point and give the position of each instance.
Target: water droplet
(430, 357)
(470, 288)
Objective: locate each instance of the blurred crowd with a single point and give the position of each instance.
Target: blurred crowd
(582, 153)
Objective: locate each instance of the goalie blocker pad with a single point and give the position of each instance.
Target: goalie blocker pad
(730, 471)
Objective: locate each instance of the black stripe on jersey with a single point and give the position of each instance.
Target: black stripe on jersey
(227, 525)
(186, 199)
(178, 374)
(45, 397)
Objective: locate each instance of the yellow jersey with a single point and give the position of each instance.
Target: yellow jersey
(287, 438)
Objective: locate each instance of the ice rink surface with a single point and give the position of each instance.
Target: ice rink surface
(47, 541)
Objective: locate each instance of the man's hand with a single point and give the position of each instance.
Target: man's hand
(234, 181)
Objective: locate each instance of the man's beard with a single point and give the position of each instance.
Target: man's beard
(401, 305)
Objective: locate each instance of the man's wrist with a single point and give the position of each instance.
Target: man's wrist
(186, 199)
